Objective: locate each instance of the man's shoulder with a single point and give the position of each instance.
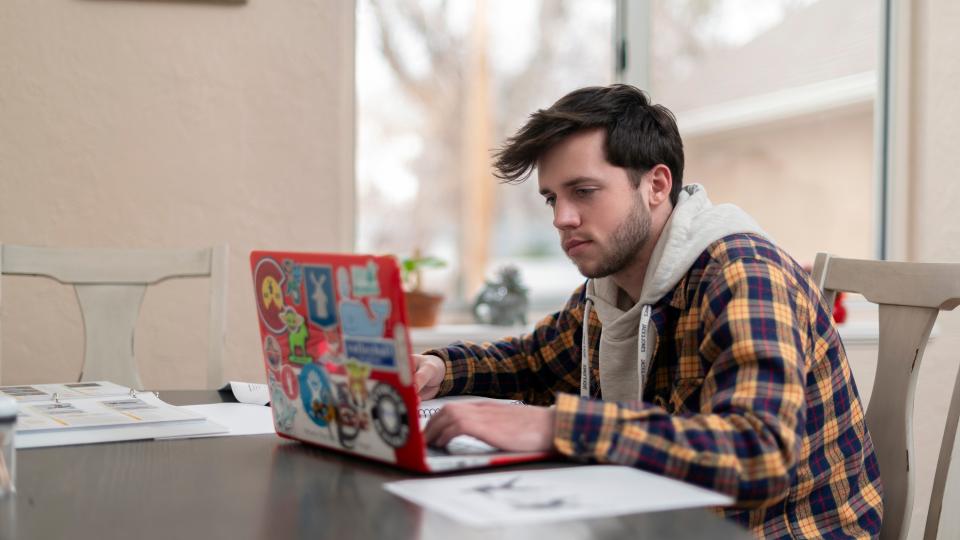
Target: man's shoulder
(755, 249)
(746, 247)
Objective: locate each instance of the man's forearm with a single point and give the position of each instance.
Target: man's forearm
(743, 455)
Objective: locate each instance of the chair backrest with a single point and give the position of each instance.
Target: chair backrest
(910, 296)
(110, 284)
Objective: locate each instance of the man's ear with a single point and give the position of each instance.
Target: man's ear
(661, 182)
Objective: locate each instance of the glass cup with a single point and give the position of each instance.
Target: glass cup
(8, 456)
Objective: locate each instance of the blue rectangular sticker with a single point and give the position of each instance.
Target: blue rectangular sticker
(378, 353)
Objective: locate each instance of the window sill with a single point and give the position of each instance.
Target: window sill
(444, 334)
(852, 333)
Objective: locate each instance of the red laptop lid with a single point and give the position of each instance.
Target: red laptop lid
(337, 353)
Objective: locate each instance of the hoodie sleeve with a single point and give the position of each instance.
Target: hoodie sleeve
(746, 436)
(532, 367)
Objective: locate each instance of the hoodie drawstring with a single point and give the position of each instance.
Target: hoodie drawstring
(643, 347)
(585, 351)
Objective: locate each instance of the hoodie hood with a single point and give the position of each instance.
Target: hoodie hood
(628, 338)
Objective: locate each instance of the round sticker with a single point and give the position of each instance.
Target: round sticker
(316, 395)
(269, 278)
(390, 417)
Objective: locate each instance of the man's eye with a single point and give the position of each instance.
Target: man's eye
(550, 201)
(584, 192)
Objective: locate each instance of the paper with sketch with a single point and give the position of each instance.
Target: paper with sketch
(539, 496)
(247, 392)
(238, 418)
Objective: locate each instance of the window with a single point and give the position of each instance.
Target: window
(775, 103)
(439, 86)
(775, 100)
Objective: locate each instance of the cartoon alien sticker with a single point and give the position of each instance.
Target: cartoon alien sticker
(298, 334)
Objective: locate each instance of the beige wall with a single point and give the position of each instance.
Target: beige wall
(779, 171)
(169, 124)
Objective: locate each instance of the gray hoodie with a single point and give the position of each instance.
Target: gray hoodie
(629, 338)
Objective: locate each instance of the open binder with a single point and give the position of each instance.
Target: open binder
(98, 411)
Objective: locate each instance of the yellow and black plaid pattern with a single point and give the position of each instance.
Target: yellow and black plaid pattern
(749, 394)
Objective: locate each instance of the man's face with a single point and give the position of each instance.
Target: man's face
(602, 219)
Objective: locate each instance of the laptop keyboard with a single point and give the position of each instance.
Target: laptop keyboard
(462, 445)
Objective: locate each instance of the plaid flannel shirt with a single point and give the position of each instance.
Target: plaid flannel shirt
(749, 394)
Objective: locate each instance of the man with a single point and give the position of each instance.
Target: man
(696, 349)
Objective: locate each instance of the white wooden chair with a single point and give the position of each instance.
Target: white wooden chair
(110, 284)
(910, 296)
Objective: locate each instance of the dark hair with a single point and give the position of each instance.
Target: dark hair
(640, 135)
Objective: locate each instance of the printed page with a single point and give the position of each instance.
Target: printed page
(77, 390)
(66, 414)
(541, 496)
(96, 412)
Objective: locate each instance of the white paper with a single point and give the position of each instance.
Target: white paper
(193, 428)
(539, 496)
(238, 418)
(247, 392)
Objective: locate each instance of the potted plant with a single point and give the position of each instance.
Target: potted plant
(423, 308)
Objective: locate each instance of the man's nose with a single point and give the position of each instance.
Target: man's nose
(565, 216)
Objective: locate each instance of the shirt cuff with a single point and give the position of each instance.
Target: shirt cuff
(584, 427)
(448, 373)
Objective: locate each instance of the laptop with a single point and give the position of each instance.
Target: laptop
(336, 349)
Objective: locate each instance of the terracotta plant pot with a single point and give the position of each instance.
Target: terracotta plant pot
(423, 308)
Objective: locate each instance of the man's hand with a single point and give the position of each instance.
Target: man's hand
(516, 428)
(428, 375)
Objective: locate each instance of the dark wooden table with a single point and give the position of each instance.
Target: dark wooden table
(259, 486)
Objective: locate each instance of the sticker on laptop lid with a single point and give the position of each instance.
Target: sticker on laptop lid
(357, 322)
(293, 276)
(317, 395)
(272, 352)
(297, 336)
(283, 410)
(357, 375)
(377, 353)
(403, 364)
(321, 300)
(352, 417)
(355, 318)
(269, 279)
(390, 418)
(365, 280)
(289, 382)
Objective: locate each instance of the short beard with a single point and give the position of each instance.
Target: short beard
(626, 242)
